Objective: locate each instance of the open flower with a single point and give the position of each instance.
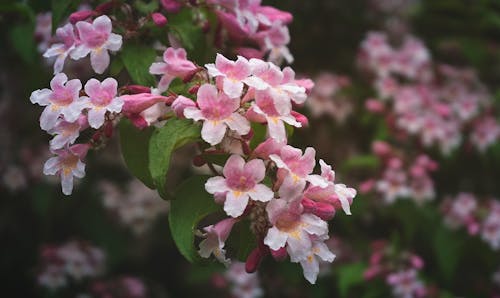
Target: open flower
(176, 65)
(215, 238)
(239, 184)
(298, 167)
(61, 50)
(96, 39)
(101, 98)
(232, 74)
(63, 99)
(275, 115)
(218, 112)
(67, 163)
(66, 132)
(310, 264)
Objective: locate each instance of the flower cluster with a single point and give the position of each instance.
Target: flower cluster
(294, 205)
(399, 269)
(248, 22)
(438, 107)
(136, 208)
(402, 176)
(72, 261)
(326, 97)
(465, 210)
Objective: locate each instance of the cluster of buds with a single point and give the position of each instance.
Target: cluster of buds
(327, 97)
(69, 262)
(249, 23)
(466, 211)
(136, 207)
(399, 269)
(437, 107)
(402, 177)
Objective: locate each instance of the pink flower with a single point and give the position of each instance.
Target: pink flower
(268, 147)
(159, 19)
(175, 65)
(486, 132)
(239, 184)
(96, 39)
(298, 167)
(101, 98)
(405, 284)
(215, 238)
(292, 227)
(232, 73)
(66, 132)
(66, 35)
(67, 163)
(218, 112)
(63, 99)
(180, 104)
(266, 110)
(136, 103)
(310, 264)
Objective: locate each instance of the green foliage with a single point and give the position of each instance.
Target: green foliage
(60, 10)
(349, 276)
(163, 142)
(137, 59)
(25, 47)
(134, 144)
(448, 250)
(369, 161)
(192, 204)
(259, 134)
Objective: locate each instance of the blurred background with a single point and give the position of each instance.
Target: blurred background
(112, 236)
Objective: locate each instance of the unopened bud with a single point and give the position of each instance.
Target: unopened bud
(80, 16)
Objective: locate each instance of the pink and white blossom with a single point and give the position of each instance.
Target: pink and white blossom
(310, 265)
(61, 100)
(230, 73)
(66, 164)
(101, 99)
(66, 35)
(65, 133)
(96, 39)
(218, 113)
(175, 65)
(215, 238)
(241, 182)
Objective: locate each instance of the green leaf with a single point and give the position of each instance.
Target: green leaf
(183, 24)
(349, 276)
(191, 205)
(146, 8)
(134, 144)
(259, 134)
(448, 250)
(137, 60)
(361, 161)
(242, 240)
(25, 47)
(60, 10)
(163, 142)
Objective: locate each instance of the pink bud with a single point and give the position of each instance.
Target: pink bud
(300, 118)
(249, 52)
(138, 121)
(105, 7)
(381, 148)
(199, 161)
(171, 6)
(80, 16)
(253, 260)
(194, 89)
(325, 211)
(134, 89)
(374, 105)
(136, 103)
(159, 19)
(280, 254)
(232, 26)
(180, 104)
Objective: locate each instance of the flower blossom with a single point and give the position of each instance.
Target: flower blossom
(63, 100)
(101, 98)
(176, 65)
(215, 238)
(219, 112)
(310, 264)
(239, 184)
(67, 163)
(97, 39)
(231, 73)
(61, 50)
(66, 132)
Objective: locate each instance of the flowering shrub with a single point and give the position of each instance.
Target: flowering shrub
(181, 135)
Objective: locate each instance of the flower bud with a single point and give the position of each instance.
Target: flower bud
(180, 104)
(280, 254)
(81, 15)
(171, 6)
(159, 19)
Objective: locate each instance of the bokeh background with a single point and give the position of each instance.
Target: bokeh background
(114, 231)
